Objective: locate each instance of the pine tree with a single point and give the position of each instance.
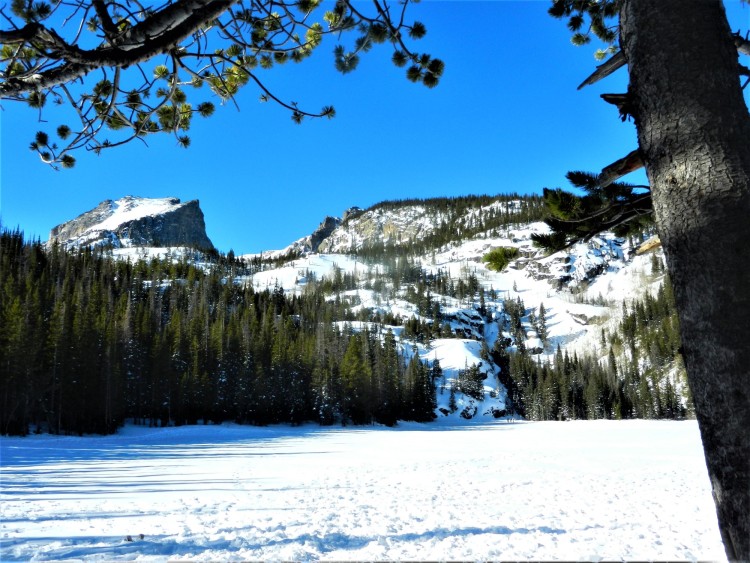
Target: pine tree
(541, 327)
(389, 407)
(421, 401)
(356, 379)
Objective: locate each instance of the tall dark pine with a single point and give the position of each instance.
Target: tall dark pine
(693, 132)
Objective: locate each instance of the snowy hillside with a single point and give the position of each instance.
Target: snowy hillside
(581, 290)
(407, 223)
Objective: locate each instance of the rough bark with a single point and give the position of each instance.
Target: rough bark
(693, 130)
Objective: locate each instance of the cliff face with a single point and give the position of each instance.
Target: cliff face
(324, 230)
(134, 221)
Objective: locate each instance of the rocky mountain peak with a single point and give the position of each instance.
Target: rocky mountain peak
(323, 231)
(135, 221)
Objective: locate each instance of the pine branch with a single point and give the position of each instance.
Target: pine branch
(608, 205)
(124, 52)
(642, 208)
(639, 202)
(567, 234)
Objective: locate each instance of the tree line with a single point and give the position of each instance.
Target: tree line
(454, 220)
(87, 342)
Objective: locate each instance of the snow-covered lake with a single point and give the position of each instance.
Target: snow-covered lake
(573, 490)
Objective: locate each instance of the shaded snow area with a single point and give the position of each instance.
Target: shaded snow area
(566, 491)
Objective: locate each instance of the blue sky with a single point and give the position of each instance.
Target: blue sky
(506, 117)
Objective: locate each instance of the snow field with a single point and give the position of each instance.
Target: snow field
(576, 490)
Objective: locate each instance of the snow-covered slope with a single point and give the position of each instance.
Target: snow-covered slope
(581, 290)
(398, 224)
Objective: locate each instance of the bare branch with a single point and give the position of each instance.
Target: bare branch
(620, 168)
(742, 44)
(615, 62)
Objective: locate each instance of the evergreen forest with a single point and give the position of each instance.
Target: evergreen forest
(88, 342)
(643, 375)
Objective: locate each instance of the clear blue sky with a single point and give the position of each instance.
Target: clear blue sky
(506, 117)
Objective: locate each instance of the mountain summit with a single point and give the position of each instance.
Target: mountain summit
(136, 221)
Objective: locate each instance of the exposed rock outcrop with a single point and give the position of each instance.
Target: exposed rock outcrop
(323, 231)
(135, 221)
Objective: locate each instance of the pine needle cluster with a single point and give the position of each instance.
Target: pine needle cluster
(620, 207)
(587, 18)
(123, 72)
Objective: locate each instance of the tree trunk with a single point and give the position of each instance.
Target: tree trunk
(694, 134)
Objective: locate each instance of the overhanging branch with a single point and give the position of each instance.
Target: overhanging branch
(121, 53)
(182, 15)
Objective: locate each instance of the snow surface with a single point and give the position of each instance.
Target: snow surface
(293, 275)
(567, 491)
(132, 208)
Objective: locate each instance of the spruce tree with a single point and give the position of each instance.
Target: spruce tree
(541, 327)
(356, 379)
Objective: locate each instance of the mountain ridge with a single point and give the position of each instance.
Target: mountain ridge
(496, 335)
